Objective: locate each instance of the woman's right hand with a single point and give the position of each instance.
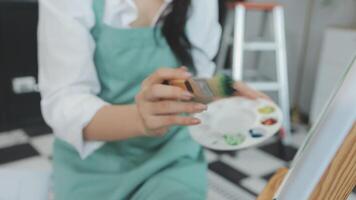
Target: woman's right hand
(160, 106)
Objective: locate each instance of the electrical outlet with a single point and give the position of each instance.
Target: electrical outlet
(26, 84)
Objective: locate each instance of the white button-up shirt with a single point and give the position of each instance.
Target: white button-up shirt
(67, 76)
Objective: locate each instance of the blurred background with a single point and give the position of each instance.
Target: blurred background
(320, 42)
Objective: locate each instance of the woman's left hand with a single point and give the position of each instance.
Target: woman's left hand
(248, 92)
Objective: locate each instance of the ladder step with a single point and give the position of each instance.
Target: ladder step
(264, 86)
(260, 46)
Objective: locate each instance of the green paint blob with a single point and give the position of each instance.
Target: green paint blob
(234, 140)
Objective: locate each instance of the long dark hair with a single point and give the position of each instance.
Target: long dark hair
(173, 30)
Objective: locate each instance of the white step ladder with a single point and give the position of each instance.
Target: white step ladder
(234, 34)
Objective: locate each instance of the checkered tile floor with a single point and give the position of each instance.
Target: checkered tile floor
(232, 176)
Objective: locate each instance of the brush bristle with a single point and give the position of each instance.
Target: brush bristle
(226, 85)
(222, 85)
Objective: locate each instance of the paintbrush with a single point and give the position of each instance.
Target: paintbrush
(207, 90)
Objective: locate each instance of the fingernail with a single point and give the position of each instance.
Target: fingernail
(187, 74)
(201, 107)
(187, 95)
(196, 121)
(184, 68)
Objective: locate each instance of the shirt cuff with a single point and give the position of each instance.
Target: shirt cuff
(76, 135)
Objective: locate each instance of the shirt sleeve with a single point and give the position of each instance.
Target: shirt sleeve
(67, 76)
(204, 32)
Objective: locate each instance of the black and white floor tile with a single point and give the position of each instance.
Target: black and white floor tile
(232, 176)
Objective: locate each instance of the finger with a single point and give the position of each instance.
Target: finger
(161, 132)
(243, 90)
(160, 91)
(164, 74)
(157, 132)
(158, 122)
(248, 95)
(172, 120)
(264, 96)
(253, 94)
(184, 68)
(241, 87)
(246, 91)
(258, 94)
(174, 107)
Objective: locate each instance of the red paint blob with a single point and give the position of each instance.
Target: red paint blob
(269, 122)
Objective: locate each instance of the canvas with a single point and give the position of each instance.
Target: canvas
(323, 141)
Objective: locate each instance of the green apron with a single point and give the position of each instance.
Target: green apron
(170, 167)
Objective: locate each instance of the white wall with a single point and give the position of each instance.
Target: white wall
(338, 13)
(338, 49)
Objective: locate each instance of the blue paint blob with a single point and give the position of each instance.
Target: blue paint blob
(257, 132)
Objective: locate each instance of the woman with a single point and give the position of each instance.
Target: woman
(120, 133)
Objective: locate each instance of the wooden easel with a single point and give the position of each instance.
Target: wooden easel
(337, 181)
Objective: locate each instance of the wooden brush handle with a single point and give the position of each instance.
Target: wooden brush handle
(194, 88)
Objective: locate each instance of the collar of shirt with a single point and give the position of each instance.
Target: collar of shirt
(121, 13)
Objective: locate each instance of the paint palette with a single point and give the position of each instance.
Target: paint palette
(236, 123)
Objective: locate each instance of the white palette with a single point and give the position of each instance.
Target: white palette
(236, 123)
